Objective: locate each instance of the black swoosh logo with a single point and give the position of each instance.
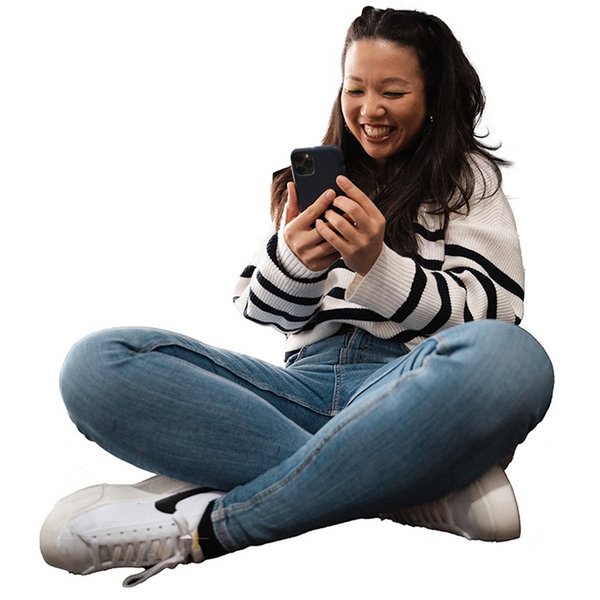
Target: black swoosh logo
(169, 504)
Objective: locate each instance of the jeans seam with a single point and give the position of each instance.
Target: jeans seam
(391, 367)
(339, 371)
(222, 513)
(257, 383)
(367, 344)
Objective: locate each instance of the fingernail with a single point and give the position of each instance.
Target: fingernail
(341, 179)
(330, 194)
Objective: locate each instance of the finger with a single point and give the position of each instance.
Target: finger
(342, 224)
(317, 208)
(326, 250)
(325, 262)
(353, 192)
(353, 212)
(300, 240)
(320, 256)
(291, 210)
(331, 236)
(364, 207)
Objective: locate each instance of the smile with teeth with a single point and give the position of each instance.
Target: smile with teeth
(377, 131)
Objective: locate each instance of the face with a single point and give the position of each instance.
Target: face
(383, 96)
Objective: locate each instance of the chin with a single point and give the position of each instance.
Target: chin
(382, 155)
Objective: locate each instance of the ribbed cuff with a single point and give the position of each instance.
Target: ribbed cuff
(291, 264)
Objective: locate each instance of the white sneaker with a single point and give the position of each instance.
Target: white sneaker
(484, 510)
(152, 524)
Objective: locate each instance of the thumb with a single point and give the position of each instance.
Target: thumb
(291, 209)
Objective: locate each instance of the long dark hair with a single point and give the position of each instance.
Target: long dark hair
(436, 168)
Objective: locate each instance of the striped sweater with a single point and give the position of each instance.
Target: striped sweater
(473, 270)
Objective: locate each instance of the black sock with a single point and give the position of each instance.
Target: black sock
(211, 548)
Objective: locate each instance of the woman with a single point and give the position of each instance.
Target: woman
(407, 380)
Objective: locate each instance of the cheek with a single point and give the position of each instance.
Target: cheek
(419, 120)
(420, 112)
(345, 111)
(414, 117)
(350, 111)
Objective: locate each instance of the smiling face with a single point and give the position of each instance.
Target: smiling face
(383, 96)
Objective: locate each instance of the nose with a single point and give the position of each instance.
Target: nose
(372, 107)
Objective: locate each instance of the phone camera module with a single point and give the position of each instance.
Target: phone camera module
(303, 163)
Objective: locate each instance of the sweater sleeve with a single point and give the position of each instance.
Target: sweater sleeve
(477, 272)
(277, 289)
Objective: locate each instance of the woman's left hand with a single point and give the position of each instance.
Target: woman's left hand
(357, 234)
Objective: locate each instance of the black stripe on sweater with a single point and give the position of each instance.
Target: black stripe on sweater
(337, 292)
(429, 263)
(440, 319)
(432, 236)
(256, 301)
(417, 288)
(344, 314)
(285, 330)
(273, 289)
(488, 287)
(272, 252)
(467, 316)
(248, 271)
(499, 276)
(445, 312)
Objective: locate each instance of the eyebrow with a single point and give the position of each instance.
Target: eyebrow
(386, 80)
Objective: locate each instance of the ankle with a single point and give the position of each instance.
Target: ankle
(210, 545)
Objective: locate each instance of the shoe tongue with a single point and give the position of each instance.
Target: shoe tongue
(169, 504)
(192, 508)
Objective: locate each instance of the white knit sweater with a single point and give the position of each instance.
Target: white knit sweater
(473, 270)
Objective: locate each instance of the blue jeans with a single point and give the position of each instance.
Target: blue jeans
(351, 427)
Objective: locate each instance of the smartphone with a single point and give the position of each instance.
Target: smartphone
(314, 170)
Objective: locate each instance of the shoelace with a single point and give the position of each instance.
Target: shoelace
(176, 549)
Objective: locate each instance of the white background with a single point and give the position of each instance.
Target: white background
(137, 143)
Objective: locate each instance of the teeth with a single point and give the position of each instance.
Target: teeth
(377, 132)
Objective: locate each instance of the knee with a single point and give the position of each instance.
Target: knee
(518, 353)
(533, 366)
(508, 345)
(85, 377)
(84, 357)
(509, 360)
(506, 384)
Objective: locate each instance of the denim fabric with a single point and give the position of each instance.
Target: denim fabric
(351, 427)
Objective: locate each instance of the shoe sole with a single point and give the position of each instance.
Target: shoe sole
(149, 490)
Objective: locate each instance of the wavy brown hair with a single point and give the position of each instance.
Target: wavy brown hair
(436, 168)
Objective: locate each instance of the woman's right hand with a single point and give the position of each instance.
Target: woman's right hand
(302, 237)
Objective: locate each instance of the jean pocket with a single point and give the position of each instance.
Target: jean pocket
(293, 356)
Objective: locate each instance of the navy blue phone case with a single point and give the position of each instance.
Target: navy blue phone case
(314, 170)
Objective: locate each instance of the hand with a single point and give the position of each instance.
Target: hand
(302, 237)
(358, 234)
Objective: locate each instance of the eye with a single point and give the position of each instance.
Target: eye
(394, 94)
(353, 91)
